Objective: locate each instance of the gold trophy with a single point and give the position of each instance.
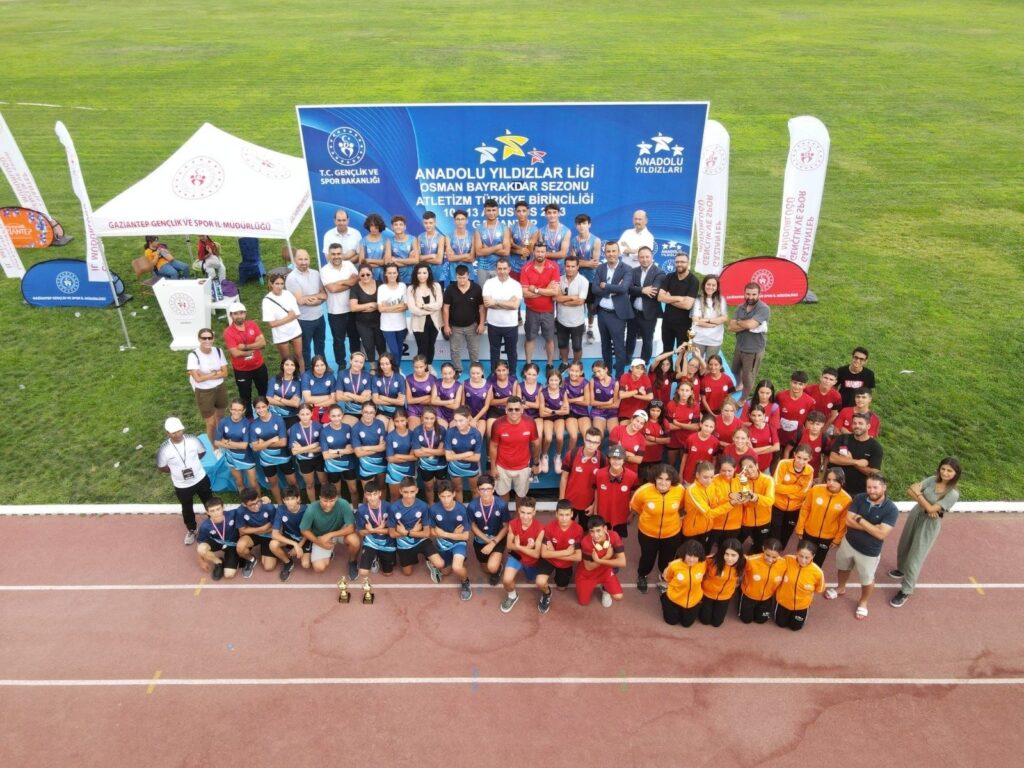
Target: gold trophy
(689, 340)
(367, 592)
(746, 495)
(343, 594)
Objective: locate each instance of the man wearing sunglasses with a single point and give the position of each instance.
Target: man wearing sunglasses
(514, 450)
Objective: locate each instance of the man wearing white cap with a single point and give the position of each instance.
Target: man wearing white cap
(244, 341)
(630, 435)
(181, 456)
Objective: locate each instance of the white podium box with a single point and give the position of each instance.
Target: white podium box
(186, 308)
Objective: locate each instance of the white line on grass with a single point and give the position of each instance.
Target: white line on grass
(516, 681)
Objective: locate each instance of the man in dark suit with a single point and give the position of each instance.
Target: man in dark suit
(611, 296)
(643, 295)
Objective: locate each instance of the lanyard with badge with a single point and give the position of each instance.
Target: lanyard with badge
(187, 473)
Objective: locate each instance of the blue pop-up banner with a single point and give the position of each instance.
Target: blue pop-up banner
(65, 283)
(606, 160)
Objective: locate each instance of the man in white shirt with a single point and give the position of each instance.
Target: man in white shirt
(306, 286)
(346, 237)
(337, 276)
(571, 312)
(502, 297)
(181, 456)
(635, 238)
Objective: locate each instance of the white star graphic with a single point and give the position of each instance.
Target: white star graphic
(677, 150)
(486, 153)
(661, 142)
(645, 148)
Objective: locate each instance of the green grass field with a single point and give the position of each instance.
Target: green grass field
(921, 227)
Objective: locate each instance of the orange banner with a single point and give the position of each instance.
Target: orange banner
(27, 228)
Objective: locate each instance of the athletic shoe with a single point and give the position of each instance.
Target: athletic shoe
(353, 569)
(641, 584)
(558, 465)
(509, 603)
(190, 538)
(218, 572)
(493, 579)
(590, 336)
(606, 599)
(466, 591)
(895, 573)
(545, 602)
(435, 572)
(831, 593)
(662, 586)
(249, 567)
(899, 599)
(563, 368)
(375, 565)
(286, 571)
(544, 466)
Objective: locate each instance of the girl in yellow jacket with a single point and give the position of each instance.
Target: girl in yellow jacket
(702, 506)
(762, 577)
(822, 519)
(802, 580)
(680, 602)
(726, 490)
(721, 576)
(659, 506)
(757, 513)
(793, 480)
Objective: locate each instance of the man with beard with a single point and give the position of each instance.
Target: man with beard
(244, 341)
(750, 325)
(678, 293)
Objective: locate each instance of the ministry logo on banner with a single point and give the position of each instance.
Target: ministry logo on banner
(346, 146)
(198, 178)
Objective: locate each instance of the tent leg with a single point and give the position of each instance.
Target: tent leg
(291, 251)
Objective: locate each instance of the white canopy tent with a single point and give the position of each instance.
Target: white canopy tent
(215, 184)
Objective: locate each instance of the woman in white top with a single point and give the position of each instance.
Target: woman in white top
(710, 314)
(391, 297)
(281, 313)
(207, 369)
(425, 299)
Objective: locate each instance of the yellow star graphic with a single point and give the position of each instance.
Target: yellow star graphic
(513, 144)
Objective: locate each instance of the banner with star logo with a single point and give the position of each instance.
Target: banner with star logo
(605, 160)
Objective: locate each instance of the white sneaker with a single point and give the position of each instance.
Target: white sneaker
(190, 538)
(590, 336)
(544, 465)
(558, 465)
(606, 599)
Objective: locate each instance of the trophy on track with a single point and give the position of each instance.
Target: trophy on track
(343, 593)
(367, 592)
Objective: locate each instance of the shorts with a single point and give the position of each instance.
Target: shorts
(306, 466)
(210, 401)
(260, 542)
(566, 334)
(307, 545)
(271, 470)
(386, 557)
(230, 560)
(429, 475)
(542, 323)
(562, 575)
(622, 529)
(319, 553)
(408, 557)
(848, 559)
(604, 413)
(396, 473)
(478, 549)
(239, 460)
(585, 585)
(449, 554)
(529, 571)
(517, 480)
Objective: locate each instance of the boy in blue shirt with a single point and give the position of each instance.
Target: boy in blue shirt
(449, 523)
(489, 519)
(409, 520)
(286, 540)
(218, 537)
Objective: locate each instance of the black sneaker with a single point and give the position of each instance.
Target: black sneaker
(248, 568)
(895, 573)
(545, 602)
(287, 570)
(466, 591)
(493, 579)
(218, 572)
(641, 584)
(899, 599)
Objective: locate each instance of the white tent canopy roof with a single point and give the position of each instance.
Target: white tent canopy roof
(216, 184)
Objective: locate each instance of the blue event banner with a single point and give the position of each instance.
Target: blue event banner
(65, 283)
(605, 160)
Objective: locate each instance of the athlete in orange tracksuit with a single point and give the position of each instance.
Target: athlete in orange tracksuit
(719, 583)
(793, 479)
(757, 514)
(802, 580)
(681, 600)
(762, 576)
(726, 487)
(822, 518)
(701, 504)
(658, 505)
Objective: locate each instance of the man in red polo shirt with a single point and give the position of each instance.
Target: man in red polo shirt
(514, 450)
(244, 340)
(615, 485)
(578, 471)
(794, 405)
(826, 397)
(539, 279)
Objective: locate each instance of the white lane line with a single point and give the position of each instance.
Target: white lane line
(518, 681)
(376, 586)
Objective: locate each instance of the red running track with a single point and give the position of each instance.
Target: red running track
(940, 680)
